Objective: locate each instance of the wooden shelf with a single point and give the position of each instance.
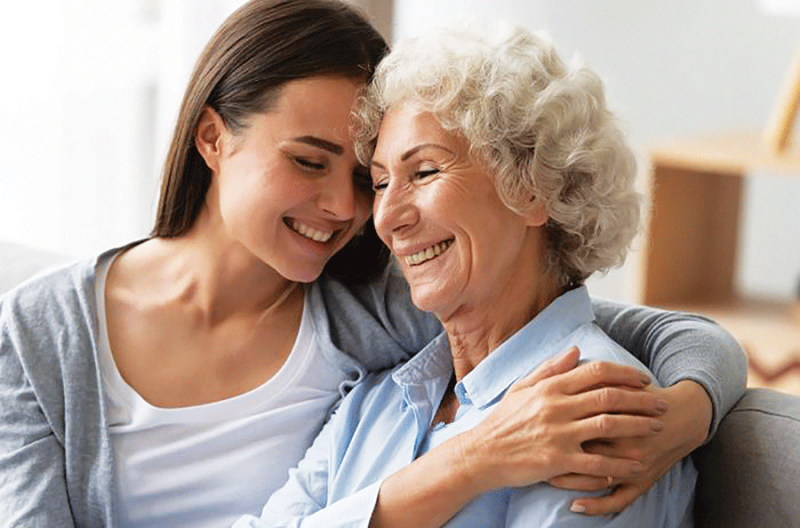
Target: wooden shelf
(691, 246)
(726, 154)
(697, 190)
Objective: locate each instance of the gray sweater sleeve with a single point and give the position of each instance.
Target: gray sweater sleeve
(376, 323)
(678, 346)
(55, 465)
(33, 489)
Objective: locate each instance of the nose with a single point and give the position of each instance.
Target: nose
(393, 210)
(337, 197)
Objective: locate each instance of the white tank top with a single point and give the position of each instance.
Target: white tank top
(206, 465)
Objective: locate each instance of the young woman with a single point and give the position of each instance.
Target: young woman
(173, 381)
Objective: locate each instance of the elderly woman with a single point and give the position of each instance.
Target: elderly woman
(502, 182)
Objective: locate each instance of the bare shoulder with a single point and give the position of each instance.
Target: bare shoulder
(136, 271)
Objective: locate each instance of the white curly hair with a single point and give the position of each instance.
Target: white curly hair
(543, 130)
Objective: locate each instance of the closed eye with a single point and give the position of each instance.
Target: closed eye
(308, 164)
(426, 173)
(380, 185)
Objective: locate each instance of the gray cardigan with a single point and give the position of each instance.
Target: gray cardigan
(56, 466)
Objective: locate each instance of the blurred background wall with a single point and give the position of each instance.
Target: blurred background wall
(90, 90)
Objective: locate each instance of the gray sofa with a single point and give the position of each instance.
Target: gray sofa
(18, 263)
(749, 472)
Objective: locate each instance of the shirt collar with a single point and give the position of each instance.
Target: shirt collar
(541, 338)
(433, 361)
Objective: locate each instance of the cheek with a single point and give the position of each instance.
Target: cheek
(232, 201)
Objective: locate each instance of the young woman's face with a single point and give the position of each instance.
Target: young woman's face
(437, 209)
(289, 187)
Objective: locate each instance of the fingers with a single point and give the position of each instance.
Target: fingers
(552, 367)
(620, 400)
(616, 426)
(601, 373)
(589, 465)
(575, 482)
(618, 500)
(639, 448)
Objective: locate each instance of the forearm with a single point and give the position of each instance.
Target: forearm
(678, 346)
(694, 420)
(432, 489)
(714, 360)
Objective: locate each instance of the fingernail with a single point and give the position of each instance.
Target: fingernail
(645, 381)
(577, 508)
(662, 406)
(656, 425)
(637, 468)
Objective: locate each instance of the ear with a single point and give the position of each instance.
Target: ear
(536, 215)
(208, 137)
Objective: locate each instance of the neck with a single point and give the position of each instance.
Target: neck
(476, 329)
(217, 276)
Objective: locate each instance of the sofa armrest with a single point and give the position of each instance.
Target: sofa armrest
(749, 472)
(18, 263)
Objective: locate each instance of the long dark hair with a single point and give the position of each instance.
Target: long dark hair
(258, 49)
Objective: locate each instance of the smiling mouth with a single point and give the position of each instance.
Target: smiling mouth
(309, 232)
(428, 254)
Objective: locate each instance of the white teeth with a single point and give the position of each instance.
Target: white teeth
(427, 254)
(309, 232)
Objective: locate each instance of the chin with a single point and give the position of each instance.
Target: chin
(427, 301)
(302, 274)
(306, 277)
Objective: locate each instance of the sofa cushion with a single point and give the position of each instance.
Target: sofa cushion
(18, 263)
(749, 472)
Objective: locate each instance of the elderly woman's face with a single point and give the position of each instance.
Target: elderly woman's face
(438, 211)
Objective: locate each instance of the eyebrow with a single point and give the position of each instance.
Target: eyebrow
(410, 152)
(321, 143)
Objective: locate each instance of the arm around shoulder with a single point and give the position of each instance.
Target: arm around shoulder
(679, 346)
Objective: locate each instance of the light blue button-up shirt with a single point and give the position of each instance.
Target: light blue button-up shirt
(385, 423)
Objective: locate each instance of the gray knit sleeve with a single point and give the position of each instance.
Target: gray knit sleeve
(376, 323)
(55, 459)
(679, 346)
(32, 474)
